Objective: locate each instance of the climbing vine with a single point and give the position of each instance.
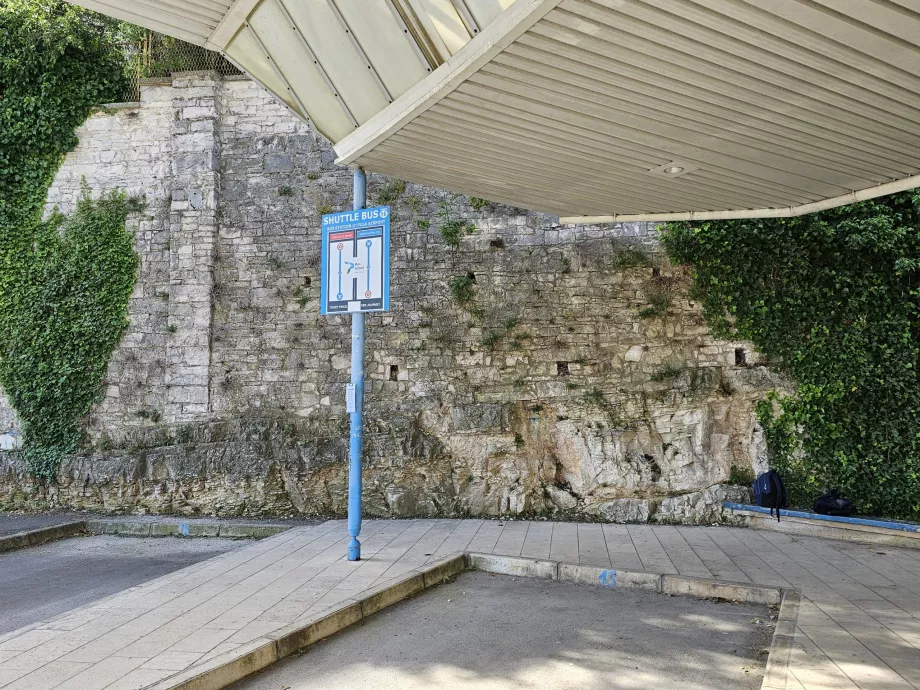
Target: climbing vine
(832, 300)
(64, 282)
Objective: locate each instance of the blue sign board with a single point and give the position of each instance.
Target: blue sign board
(356, 261)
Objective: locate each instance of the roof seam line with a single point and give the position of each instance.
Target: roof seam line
(319, 68)
(360, 50)
(277, 70)
(743, 214)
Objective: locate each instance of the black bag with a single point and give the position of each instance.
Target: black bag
(770, 492)
(831, 504)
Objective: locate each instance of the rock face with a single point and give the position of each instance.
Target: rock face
(701, 507)
(578, 378)
(626, 510)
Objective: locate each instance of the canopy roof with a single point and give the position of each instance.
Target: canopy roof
(612, 109)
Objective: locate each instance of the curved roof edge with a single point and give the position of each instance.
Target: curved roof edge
(904, 185)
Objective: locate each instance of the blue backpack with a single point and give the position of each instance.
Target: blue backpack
(769, 492)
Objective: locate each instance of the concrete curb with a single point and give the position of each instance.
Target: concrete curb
(228, 668)
(129, 528)
(677, 585)
(178, 528)
(21, 540)
(776, 674)
(777, 669)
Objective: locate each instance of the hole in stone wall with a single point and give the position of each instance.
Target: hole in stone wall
(740, 356)
(394, 372)
(656, 272)
(497, 244)
(471, 276)
(562, 368)
(654, 467)
(307, 281)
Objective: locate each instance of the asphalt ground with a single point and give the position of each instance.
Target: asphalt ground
(43, 581)
(11, 523)
(496, 632)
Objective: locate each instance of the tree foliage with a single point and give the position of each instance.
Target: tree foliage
(833, 300)
(64, 283)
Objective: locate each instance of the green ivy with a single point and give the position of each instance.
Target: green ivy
(64, 282)
(832, 300)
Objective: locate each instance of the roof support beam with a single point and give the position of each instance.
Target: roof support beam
(230, 25)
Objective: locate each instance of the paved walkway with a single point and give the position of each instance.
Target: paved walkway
(859, 625)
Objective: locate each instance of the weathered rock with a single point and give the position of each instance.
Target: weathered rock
(560, 498)
(701, 507)
(631, 510)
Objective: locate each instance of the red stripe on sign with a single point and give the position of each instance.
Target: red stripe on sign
(336, 236)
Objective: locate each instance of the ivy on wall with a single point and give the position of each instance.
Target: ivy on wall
(833, 300)
(64, 282)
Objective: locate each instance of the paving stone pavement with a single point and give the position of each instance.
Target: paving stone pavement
(859, 624)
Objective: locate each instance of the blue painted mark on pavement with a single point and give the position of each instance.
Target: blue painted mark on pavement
(608, 578)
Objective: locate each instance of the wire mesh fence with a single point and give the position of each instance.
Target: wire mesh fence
(158, 57)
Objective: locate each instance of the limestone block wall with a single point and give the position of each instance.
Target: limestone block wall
(578, 377)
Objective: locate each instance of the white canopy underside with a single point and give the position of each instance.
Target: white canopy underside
(581, 107)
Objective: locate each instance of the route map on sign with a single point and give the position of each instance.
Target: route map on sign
(356, 261)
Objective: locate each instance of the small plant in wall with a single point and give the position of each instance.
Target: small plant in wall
(493, 338)
(630, 257)
(452, 231)
(390, 192)
(658, 292)
(595, 396)
(671, 371)
(461, 288)
(452, 228)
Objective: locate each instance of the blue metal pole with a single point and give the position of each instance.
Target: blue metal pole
(356, 440)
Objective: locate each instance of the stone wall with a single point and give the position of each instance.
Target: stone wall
(578, 379)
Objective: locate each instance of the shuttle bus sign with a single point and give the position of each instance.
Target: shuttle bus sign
(356, 261)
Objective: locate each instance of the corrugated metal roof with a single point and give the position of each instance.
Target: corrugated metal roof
(191, 20)
(586, 101)
(591, 107)
(336, 63)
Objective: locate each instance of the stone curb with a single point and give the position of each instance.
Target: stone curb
(228, 668)
(177, 528)
(777, 668)
(21, 540)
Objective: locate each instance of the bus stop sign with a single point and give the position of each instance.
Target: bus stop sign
(356, 261)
